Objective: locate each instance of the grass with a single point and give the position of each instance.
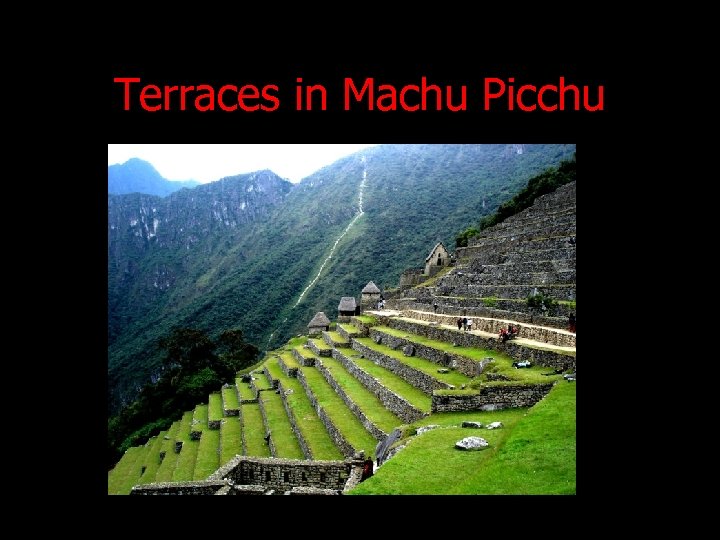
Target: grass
(312, 429)
(167, 467)
(320, 344)
(215, 407)
(230, 439)
(534, 453)
(306, 353)
(283, 438)
(397, 384)
(288, 359)
(337, 338)
(342, 417)
(366, 319)
(187, 456)
(152, 459)
(431, 282)
(349, 328)
(244, 388)
(421, 364)
(260, 381)
(230, 399)
(254, 431)
(127, 471)
(200, 418)
(294, 342)
(208, 458)
(364, 398)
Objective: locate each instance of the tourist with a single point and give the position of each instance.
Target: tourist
(367, 471)
(464, 323)
(469, 325)
(435, 307)
(571, 322)
(459, 323)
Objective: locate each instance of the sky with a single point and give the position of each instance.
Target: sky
(210, 162)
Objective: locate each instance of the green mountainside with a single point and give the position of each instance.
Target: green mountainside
(238, 253)
(139, 176)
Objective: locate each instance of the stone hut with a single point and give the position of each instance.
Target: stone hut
(318, 323)
(439, 258)
(347, 308)
(370, 296)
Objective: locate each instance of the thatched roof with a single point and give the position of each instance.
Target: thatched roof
(347, 303)
(320, 319)
(433, 250)
(371, 288)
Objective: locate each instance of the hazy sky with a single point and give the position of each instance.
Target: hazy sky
(210, 162)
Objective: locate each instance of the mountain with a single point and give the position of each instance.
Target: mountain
(138, 176)
(257, 253)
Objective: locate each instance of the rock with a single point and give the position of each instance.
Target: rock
(468, 423)
(472, 443)
(451, 387)
(443, 370)
(570, 379)
(423, 429)
(377, 339)
(409, 350)
(494, 425)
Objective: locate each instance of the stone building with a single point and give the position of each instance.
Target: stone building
(347, 308)
(370, 296)
(318, 323)
(439, 258)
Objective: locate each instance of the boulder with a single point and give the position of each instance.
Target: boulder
(469, 424)
(443, 370)
(423, 429)
(494, 425)
(472, 443)
(409, 350)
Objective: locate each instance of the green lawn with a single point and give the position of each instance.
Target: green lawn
(312, 429)
(200, 418)
(361, 396)
(230, 439)
(152, 459)
(186, 458)
(215, 407)
(366, 319)
(208, 458)
(167, 467)
(421, 364)
(349, 328)
(260, 381)
(534, 453)
(230, 399)
(342, 417)
(307, 353)
(397, 384)
(283, 438)
(244, 388)
(254, 431)
(320, 344)
(289, 360)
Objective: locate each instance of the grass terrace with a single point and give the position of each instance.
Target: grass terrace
(337, 338)
(342, 417)
(366, 319)
(288, 359)
(397, 384)
(152, 461)
(230, 439)
(283, 438)
(187, 456)
(361, 396)
(215, 407)
(349, 328)
(320, 344)
(167, 466)
(306, 353)
(246, 392)
(254, 431)
(229, 398)
(127, 472)
(208, 459)
(421, 364)
(260, 381)
(200, 418)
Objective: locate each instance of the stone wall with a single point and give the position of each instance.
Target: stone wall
(227, 410)
(294, 423)
(204, 487)
(543, 357)
(411, 277)
(289, 371)
(283, 475)
(417, 378)
(303, 361)
(551, 336)
(327, 338)
(345, 447)
(462, 364)
(363, 328)
(357, 411)
(240, 398)
(347, 335)
(393, 402)
(492, 398)
(317, 350)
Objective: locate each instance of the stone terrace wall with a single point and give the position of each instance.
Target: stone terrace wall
(357, 411)
(317, 350)
(551, 359)
(417, 378)
(363, 328)
(493, 326)
(462, 364)
(394, 403)
(347, 335)
(306, 362)
(284, 474)
(204, 487)
(289, 371)
(345, 447)
(492, 398)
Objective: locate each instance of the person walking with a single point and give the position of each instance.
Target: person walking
(469, 325)
(464, 324)
(459, 323)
